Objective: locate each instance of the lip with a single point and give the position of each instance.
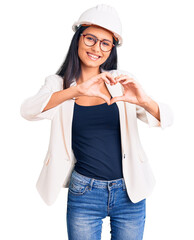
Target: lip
(94, 54)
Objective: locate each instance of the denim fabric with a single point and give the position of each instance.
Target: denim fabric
(91, 200)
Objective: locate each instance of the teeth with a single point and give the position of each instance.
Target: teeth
(93, 56)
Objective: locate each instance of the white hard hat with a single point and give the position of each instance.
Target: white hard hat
(104, 16)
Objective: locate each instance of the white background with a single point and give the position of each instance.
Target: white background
(158, 49)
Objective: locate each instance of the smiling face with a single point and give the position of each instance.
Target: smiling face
(85, 52)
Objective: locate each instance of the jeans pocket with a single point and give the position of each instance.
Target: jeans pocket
(77, 188)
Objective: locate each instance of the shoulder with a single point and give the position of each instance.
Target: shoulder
(54, 82)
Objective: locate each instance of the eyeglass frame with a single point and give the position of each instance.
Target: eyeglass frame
(96, 40)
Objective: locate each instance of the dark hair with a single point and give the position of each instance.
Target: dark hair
(71, 67)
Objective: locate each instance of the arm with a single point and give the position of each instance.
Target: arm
(44, 104)
(152, 107)
(61, 96)
(155, 114)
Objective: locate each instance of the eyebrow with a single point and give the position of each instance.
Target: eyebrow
(96, 37)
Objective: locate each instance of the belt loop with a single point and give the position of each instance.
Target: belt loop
(124, 187)
(91, 183)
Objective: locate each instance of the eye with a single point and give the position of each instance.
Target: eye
(106, 43)
(90, 38)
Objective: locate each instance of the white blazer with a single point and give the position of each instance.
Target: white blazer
(59, 161)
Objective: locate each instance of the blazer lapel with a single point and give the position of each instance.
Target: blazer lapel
(115, 90)
(67, 109)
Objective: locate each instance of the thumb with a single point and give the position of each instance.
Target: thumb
(105, 98)
(116, 99)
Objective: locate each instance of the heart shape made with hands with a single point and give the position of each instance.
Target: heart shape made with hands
(133, 91)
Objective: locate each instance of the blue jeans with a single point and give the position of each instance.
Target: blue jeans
(90, 200)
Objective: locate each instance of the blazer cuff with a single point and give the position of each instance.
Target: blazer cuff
(152, 121)
(166, 117)
(32, 107)
(33, 112)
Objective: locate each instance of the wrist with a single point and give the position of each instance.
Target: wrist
(146, 102)
(76, 92)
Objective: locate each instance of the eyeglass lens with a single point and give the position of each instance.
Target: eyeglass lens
(91, 40)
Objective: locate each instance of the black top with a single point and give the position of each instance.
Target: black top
(96, 141)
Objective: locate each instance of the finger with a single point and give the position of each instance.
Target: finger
(121, 75)
(110, 77)
(128, 81)
(105, 79)
(105, 98)
(116, 99)
(124, 78)
(124, 81)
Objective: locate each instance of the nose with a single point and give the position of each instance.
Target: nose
(96, 46)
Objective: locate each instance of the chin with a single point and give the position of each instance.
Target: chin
(92, 64)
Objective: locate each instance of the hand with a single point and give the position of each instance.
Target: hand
(133, 92)
(91, 87)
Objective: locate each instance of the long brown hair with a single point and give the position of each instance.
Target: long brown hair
(71, 67)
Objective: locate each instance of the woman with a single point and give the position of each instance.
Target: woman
(94, 148)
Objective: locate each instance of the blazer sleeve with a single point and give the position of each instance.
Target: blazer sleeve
(166, 116)
(31, 108)
(166, 113)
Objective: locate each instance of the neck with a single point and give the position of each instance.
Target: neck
(87, 73)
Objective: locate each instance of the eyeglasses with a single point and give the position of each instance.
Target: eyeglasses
(90, 40)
